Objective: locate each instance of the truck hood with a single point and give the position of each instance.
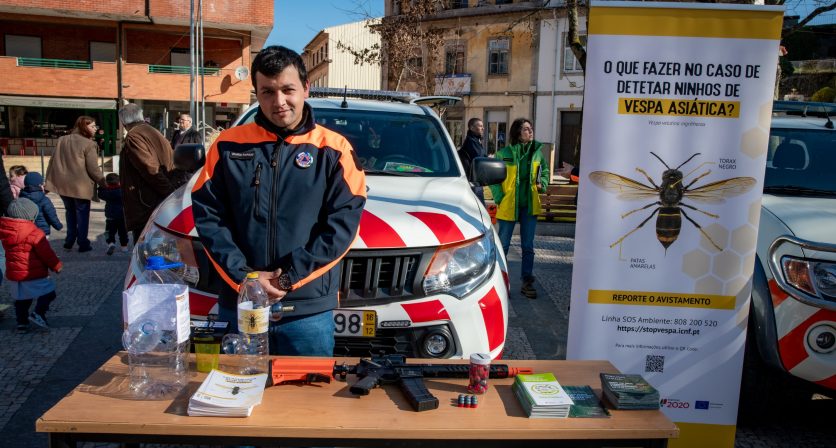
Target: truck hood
(811, 219)
(400, 212)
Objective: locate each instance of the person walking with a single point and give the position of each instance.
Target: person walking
(281, 197)
(111, 193)
(518, 197)
(144, 164)
(29, 258)
(73, 174)
(471, 149)
(33, 190)
(184, 132)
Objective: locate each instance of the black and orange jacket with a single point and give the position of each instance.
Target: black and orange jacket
(268, 199)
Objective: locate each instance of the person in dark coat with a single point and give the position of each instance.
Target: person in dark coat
(185, 133)
(144, 165)
(471, 149)
(6, 198)
(111, 193)
(33, 189)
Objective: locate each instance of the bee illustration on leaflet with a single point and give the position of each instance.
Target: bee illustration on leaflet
(669, 198)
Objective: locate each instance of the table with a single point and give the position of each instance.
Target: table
(101, 410)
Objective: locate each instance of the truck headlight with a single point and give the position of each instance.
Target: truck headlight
(816, 278)
(460, 268)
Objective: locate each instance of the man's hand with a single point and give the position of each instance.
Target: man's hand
(270, 282)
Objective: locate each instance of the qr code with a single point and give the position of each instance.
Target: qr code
(654, 363)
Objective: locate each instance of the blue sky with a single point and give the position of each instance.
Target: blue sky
(296, 22)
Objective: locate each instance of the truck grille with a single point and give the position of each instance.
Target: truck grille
(375, 277)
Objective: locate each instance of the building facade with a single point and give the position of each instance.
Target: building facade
(60, 60)
(488, 56)
(329, 60)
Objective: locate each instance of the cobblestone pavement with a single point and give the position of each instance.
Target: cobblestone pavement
(39, 368)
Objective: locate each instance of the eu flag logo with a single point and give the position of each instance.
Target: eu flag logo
(701, 405)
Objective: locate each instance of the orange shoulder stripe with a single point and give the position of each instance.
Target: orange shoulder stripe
(221, 272)
(322, 137)
(240, 134)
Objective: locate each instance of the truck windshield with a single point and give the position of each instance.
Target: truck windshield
(392, 143)
(800, 162)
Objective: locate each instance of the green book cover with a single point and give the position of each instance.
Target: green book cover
(621, 383)
(586, 404)
(543, 389)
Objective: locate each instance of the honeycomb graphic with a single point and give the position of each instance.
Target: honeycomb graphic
(724, 272)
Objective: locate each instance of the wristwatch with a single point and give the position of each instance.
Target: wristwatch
(284, 282)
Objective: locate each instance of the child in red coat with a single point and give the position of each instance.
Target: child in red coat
(29, 258)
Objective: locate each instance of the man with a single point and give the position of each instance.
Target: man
(282, 197)
(184, 132)
(144, 163)
(472, 148)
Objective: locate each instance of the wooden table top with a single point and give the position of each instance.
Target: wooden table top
(103, 405)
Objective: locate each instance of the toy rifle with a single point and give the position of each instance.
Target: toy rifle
(382, 369)
(393, 369)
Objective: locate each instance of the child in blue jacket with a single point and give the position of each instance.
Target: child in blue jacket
(33, 189)
(111, 193)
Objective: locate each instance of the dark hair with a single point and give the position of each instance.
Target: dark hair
(472, 121)
(112, 179)
(18, 170)
(270, 61)
(516, 129)
(81, 125)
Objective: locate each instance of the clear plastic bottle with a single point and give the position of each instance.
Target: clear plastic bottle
(158, 361)
(253, 322)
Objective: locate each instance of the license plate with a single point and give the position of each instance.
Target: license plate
(355, 323)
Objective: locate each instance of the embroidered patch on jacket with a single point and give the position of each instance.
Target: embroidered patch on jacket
(241, 155)
(304, 159)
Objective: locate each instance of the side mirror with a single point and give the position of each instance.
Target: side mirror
(488, 171)
(189, 157)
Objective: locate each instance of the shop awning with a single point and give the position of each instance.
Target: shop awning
(61, 103)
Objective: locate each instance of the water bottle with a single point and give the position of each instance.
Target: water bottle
(157, 343)
(253, 321)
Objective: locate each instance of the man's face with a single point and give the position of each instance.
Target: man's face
(281, 98)
(185, 122)
(478, 128)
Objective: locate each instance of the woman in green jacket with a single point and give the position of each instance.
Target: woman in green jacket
(518, 197)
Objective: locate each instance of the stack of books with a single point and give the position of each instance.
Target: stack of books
(626, 391)
(586, 403)
(541, 396)
(227, 395)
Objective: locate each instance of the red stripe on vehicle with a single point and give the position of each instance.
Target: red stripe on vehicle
(778, 294)
(791, 346)
(200, 304)
(182, 223)
(507, 281)
(494, 320)
(829, 383)
(426, 311)
(442, 226)
(376, 233)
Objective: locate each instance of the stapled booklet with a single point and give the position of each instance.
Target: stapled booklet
(227, 395)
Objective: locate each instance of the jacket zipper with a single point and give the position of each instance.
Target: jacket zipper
(257, 189)
(272, 226)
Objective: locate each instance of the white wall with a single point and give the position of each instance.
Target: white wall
(556, 90)
(342, 70)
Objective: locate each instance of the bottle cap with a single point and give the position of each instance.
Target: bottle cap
(157, 262)
(252, 274)
(480, 358)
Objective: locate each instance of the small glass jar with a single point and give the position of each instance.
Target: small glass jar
(478, 373)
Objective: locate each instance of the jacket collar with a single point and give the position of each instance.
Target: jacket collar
(307, 124)
(471, 134)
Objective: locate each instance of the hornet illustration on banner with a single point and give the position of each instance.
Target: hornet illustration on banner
(670, 206)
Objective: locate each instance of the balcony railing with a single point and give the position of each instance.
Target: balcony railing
(182, 70)
(54, 63)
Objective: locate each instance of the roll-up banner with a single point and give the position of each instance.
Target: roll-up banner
(677, 108)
